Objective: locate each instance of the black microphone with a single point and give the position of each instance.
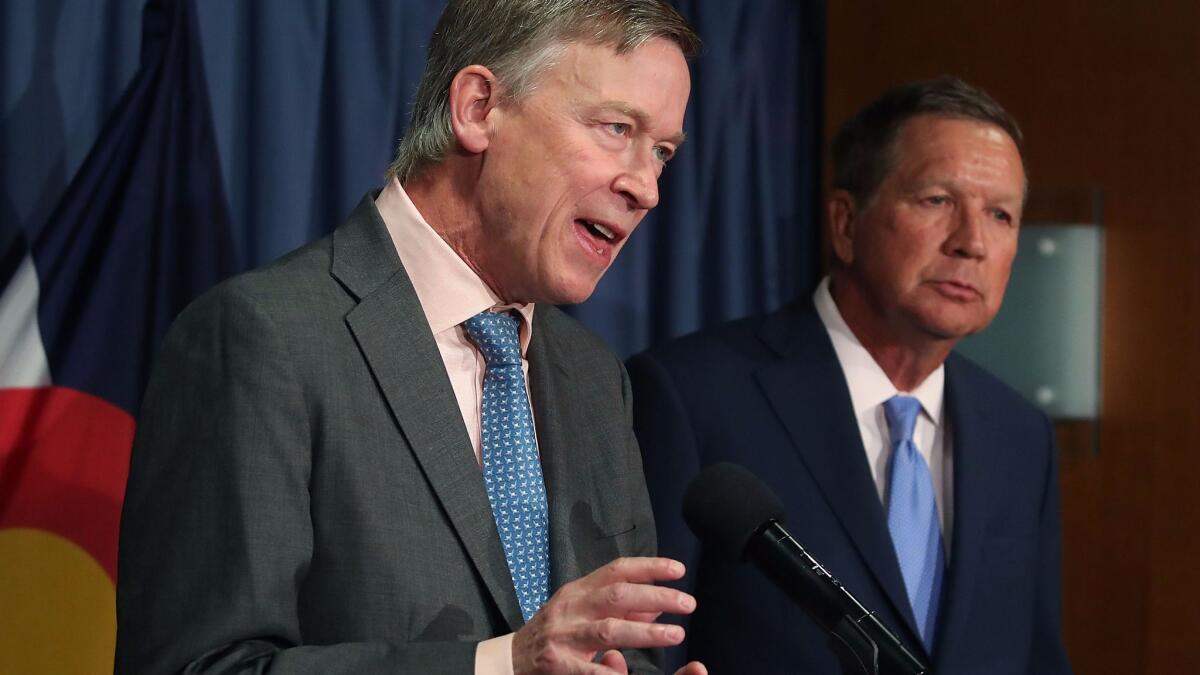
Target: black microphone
(729, 508)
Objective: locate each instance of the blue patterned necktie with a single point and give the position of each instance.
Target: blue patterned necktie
(912, 517)
(512, 471)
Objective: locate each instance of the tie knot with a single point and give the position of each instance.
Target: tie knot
(496, 336)
(901, 413)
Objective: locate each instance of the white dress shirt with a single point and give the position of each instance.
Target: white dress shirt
(869, 389)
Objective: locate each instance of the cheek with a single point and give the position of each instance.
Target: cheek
(903, 249)
(1006, 252)
(999, 285)
(908, 265)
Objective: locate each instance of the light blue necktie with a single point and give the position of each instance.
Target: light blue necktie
(913, 517)
(512, 471)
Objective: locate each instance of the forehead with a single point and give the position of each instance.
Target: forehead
(652, 80)
(945, 148)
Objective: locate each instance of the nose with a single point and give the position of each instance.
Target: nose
(638, 183)
(968, 237)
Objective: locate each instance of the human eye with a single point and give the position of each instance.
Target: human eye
(1002, 215)
(663, 154)
(937, 200)
(617, 128)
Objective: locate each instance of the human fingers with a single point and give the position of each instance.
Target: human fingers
(586, 616)
(614, 633)
(615, 660)
(636, 570)
(539, 649)
(692, 668)
(589, 668)
(634, 601)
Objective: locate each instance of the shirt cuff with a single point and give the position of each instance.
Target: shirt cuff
(494, 656)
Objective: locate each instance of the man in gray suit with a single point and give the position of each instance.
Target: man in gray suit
(334, 470)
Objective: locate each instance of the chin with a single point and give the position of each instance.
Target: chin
(573, 297)
(951, 321)
(568, 292)
(952, 330)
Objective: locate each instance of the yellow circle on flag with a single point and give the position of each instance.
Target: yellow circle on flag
(59, 607)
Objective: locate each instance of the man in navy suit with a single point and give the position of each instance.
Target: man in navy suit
(925, 485)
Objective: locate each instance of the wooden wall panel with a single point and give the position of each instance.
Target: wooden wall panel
(1108, 95)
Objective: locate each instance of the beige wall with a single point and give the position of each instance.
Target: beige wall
(1108, 94)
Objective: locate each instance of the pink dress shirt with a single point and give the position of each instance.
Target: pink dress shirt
(450, 293)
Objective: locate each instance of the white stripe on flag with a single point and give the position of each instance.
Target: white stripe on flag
(22, 356)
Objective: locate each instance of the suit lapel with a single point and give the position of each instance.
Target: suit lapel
(549, 381)
(574, 441)
(390, 328)
(976, 453)
(830, 444)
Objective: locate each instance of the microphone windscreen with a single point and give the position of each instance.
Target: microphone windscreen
(725, 505)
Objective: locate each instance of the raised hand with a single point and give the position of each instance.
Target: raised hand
(612, 608)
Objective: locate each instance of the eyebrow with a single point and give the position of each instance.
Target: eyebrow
(642, 119)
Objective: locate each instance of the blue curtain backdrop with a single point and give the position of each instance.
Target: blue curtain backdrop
(310, 96)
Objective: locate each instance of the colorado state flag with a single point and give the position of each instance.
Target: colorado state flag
(141, 230)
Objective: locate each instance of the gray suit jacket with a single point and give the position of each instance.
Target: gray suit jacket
(303, 496)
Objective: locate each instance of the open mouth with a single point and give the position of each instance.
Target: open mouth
(599, 231)
(598, 237)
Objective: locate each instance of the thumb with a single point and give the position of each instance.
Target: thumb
(615, 660)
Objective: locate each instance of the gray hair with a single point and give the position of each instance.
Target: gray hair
(863, 147)
(519, 40)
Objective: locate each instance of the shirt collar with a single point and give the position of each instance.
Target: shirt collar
(450, 291)
(869, 385)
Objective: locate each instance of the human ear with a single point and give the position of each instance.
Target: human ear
(474, 92)
(841, 211)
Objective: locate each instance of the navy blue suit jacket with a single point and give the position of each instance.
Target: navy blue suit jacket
(769, 394)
